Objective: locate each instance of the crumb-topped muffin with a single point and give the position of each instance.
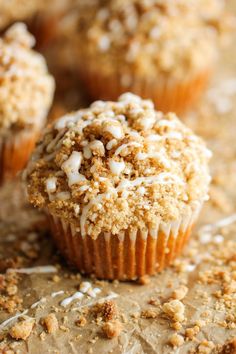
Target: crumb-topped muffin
(122, 183)
(163, 50)
(26, 92)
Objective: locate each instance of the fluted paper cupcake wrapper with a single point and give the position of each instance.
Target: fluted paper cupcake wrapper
(15, 151)
(167, 93)
(127, 256)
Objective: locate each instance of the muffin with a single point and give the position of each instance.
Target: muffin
(15, 10)
(163, 50)
(122, 185)
(26, 93)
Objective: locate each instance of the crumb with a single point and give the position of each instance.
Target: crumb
(180, 292)
(112, 329)
(107, 310)
(176, 325)
(175, 310)
(56, 278)
(191, 332)
(64, 328)
(42, 336)
(51, 323)
(176, 340)
(144, 280)
(22, 330)
(205, 347)
(81, 322)
(154, 302)
(149, 314)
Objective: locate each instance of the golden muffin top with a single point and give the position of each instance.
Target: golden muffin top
(118, 165)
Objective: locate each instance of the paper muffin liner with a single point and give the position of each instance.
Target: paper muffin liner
(45, 27)
(167, 93)
(15, 150)
(127, 256)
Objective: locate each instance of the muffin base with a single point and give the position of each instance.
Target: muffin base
(15, 151)
(126, 256)
(167, 93)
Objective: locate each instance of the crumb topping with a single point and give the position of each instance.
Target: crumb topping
(183, 33)
(119, 165)
(26, 88)
(22, 329)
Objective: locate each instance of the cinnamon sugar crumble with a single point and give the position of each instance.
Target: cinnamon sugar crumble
(51, 323)
(134, 33)
(112, 329)
(22, 330)
(107, 310)
(174, 309)
(176, 340)
(97, 189)
(26, 88)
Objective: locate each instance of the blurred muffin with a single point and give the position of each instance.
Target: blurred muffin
(15, 10)
(123, 185)
(163, 50)
(26, 93)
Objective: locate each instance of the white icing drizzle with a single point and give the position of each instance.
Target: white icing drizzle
(37, 303)
(57, 293)
(111, 144)
(56, 142)
(154, 137)
(39, 270)
(115, 130)
(51, 185)
(162, 178)
(116, 167)
(154, 155)
(76, 296)
(11, 319)
(173, 135)
(71, 168)
(94, 292)
(85, 211)
(167, 123)
(124, 146)
(67, 119)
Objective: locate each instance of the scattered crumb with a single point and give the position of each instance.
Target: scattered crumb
(180, 292)
(56, 278)
(205, 347)
(153, 301)
(144, 280)
(51, 323)
(176, 340)
(112, 329)
(107, 310)
(22, 330)
(191, 332)
(81, 322)
(149, 314)
(174, 309)
(227, 348)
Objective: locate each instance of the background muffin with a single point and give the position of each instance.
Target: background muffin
(163, 50)
(26, 92)
(122, 183)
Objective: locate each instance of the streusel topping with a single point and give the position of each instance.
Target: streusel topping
(152, 35)
(119, 165)
(26, 88)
